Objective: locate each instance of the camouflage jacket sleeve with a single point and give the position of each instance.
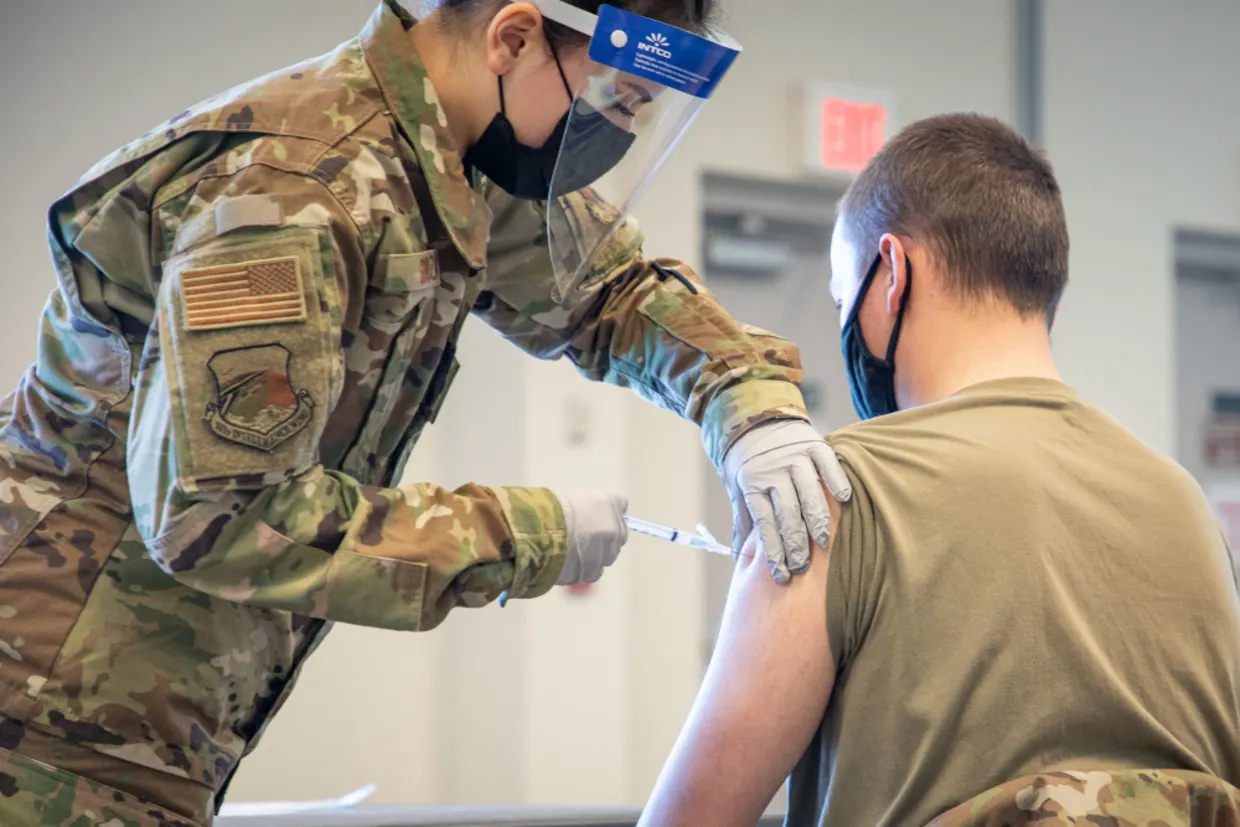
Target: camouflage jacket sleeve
(249, 514)
(649, 325)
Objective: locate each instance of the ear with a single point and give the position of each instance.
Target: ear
(891, 247)
(516, 30)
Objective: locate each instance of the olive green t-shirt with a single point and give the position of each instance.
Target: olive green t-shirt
(1018, 585)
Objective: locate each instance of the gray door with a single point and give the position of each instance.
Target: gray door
(765, 256)
(1208, 368)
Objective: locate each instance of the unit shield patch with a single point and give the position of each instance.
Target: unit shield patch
(255, 402)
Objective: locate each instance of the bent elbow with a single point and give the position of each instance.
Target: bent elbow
(179, 546)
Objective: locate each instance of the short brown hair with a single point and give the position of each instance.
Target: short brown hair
(980, 197)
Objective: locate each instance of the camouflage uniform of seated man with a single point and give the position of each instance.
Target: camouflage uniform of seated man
(1119, 798)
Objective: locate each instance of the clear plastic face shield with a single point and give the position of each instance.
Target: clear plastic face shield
(645, 82)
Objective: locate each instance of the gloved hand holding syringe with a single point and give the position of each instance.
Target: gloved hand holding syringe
(701, 540)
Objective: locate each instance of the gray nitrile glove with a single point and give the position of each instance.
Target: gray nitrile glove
(774, 475)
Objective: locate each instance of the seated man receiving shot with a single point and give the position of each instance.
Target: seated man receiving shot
(1025, 615)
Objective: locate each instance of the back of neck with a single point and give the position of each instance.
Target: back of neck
(942, 359)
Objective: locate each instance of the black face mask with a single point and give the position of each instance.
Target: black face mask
(527, 172)
(873, 380)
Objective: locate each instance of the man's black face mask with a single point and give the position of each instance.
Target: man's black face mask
(871, 379)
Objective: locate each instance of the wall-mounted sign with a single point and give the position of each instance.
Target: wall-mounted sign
(844, 126)
(1222, 449)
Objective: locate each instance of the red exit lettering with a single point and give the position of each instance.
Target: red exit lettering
(852, 133)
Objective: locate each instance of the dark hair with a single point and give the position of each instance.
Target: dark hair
(979, 197)
(691, 15)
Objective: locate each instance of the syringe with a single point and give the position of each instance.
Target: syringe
(680, 538)
(702, 540)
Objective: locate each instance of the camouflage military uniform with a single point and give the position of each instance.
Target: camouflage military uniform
(256, 316)
(1118, 798)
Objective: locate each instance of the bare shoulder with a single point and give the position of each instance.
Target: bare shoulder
(753, 577)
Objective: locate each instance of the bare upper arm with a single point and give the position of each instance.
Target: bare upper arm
(762, 700)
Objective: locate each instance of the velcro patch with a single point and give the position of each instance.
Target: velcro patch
(248, 211)
(245, 294)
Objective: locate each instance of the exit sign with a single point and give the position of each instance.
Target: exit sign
(844, 127)
(852, 133)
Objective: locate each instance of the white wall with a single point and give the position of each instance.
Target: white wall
(1143, 125)
(565, 700)
(79, 78)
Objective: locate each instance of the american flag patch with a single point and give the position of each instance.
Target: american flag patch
(245, 294)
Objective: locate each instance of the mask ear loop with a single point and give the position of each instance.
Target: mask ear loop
(503, 109)
(560, 67)
(864, 289)
(894, 341)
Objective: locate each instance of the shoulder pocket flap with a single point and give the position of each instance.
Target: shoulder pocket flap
(406, 272)
(400, 283)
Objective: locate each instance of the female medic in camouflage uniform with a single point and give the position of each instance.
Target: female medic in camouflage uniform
(256, 316)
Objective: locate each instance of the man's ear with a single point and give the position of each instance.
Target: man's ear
(891, 248)
(513, 32)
